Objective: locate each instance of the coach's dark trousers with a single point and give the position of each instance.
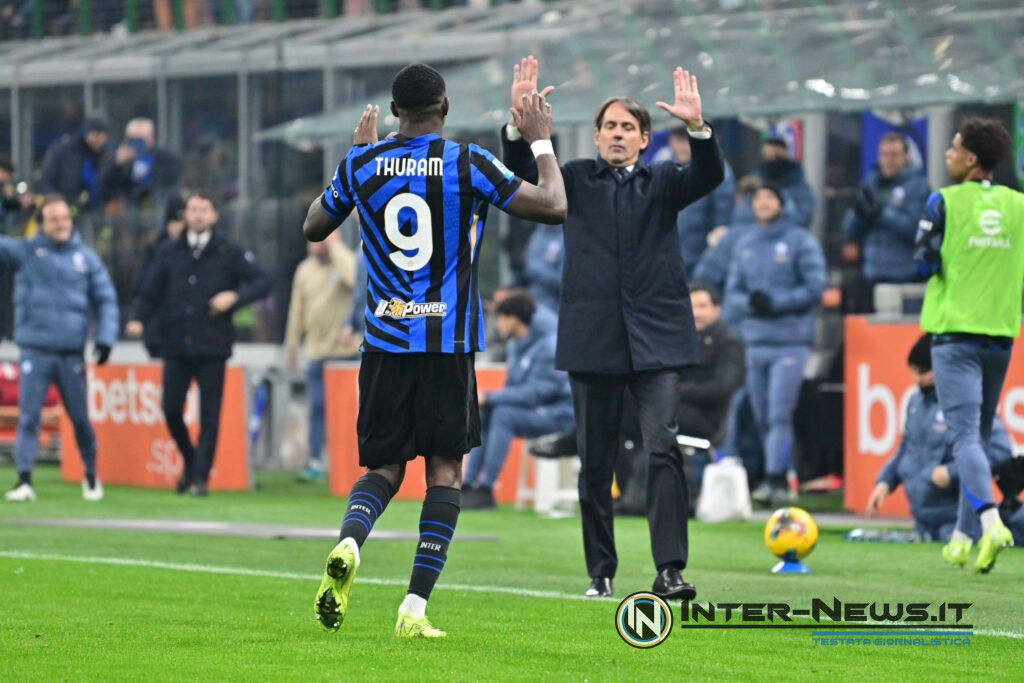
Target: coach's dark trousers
(598, 404)
(209, 374)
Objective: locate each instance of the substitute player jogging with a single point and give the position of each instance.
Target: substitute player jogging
(422, 201)
(971, 245)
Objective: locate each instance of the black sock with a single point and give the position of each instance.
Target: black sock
(24, 478)
(90, 479)
(437, 526)
(366, 503)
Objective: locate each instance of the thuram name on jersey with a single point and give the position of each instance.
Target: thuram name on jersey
(406, 166)
(401, 310)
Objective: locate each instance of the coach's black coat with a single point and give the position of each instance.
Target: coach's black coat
(177, 289)
(625, 301)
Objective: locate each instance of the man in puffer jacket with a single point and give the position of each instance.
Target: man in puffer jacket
(884, 217)
(780, 168)
(775, 286)
(60, 287)
(924, 462)
(536, 399)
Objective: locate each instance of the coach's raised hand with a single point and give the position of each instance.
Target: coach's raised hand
(524, 81)
(686, 105)
(366, 132)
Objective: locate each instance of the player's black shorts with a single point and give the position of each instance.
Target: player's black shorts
(416, 404)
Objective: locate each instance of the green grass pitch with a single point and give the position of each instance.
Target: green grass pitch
(117, 605)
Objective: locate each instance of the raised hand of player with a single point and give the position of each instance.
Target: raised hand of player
(686, 106)
(533, 118)
(366, 131)
(524, 81)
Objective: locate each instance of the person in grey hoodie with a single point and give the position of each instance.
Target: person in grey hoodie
(924, 463)
(60, 289)
(774, 288)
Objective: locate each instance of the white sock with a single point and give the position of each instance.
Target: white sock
(413, 605)
(960, 536)
(989, 518)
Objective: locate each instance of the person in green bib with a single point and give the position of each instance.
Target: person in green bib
(970, 244)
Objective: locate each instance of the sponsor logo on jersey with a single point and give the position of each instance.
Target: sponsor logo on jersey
(991, 224)
(402, 310)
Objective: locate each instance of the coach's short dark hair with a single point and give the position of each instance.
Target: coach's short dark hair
(711, 291)
(417, 86)
(776, 141)
(202, 194)
(987, 138)
(518, 305)
(893, 136)
(635, 109)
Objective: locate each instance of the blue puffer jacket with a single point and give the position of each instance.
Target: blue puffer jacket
(927, 444)
(532, 380)
(542, 272)
(698, 219)
(58, 289)
(888, 237)
(713, 267)
(786, 263)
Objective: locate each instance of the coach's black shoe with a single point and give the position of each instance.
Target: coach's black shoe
(184, 484)
(199, 489)
(669, 585)
(599, 588)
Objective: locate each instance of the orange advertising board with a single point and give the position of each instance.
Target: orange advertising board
(342, 403)
(132, 443)
(878, 387)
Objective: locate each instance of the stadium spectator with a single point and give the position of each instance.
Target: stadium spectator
(174, 225)
(924, 462)
(78, 166)
(542, 271)
(535, 401)
(56, 267)
(776, 281)
(713, 211)
(779, 167)
(706, 390)
(142, 169)
(881, 225)
(625, 317)
(970, 244)
(321, 305)
(13, 203)
(713, 266)
(193, 287)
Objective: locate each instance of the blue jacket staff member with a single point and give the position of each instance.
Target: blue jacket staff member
(61, 287)
(970, 244)
(775, 285)
(535, 401)
(883, 219)
(924, 462)
(193, 287)
(625, 318)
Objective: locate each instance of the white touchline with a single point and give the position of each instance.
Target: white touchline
(293, 576)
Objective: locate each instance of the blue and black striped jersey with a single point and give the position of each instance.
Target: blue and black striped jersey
(423, 204)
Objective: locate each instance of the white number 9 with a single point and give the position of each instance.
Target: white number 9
(422, 240)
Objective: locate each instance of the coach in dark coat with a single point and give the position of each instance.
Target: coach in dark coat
(625, 318)
(194, 285)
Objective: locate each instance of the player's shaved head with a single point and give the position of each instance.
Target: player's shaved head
(417, 87)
